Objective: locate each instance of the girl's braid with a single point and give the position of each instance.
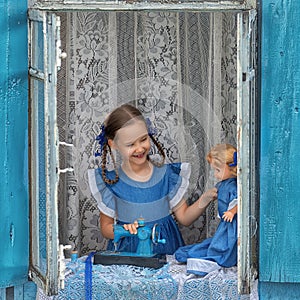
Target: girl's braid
(160, 150)
(103, 167)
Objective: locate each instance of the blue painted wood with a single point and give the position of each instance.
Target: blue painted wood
(280, 154)
(18, 292)
(3, 294)
(30, 290)
(279, 291)
(26, 291)
(13, 151)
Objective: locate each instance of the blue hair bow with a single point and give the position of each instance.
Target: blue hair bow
(151, 130)
(234, 160)
(102, 140)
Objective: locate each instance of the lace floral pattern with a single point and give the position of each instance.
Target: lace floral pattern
(178, 68)
(118, 282)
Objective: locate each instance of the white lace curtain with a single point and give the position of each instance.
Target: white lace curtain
(179, 68)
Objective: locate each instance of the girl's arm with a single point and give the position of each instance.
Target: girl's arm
(229, 214)
(186, 215)
(107, 226)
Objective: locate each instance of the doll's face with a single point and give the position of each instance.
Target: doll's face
(221, 171)
(133, 142)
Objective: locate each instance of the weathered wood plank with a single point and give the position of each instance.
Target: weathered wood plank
(13, 150)
(30, 291)
(280, 136)
(106, 5)
(3, 294)
(279, 291)
(19, 292)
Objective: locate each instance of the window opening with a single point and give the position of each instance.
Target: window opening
(186, 70)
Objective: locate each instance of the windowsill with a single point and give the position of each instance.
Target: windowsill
(169, 282)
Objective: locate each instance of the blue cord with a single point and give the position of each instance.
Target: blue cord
(88, 277)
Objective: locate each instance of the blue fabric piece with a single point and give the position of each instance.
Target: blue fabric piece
(128, 200)
(222, 247)
(88, 276)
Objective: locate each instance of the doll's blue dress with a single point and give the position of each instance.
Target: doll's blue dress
(221, 249)
(153, 200)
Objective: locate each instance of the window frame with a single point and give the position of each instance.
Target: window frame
(247, 123)
(248, 148)
(71, 5)
(42, 72)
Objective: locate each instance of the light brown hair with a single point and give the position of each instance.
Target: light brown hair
(117, 119)
(223, 154)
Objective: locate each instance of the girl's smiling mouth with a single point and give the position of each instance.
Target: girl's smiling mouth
(139, 155)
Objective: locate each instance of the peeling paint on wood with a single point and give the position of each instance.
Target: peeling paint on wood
(13, 150)
(280, 136)
(174, 5)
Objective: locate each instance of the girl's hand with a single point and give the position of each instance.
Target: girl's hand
(228, 216)
(209, 195)
(132, 228)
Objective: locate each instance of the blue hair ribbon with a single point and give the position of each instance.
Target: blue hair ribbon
(234, 160)
(151, 129)
(102, 140)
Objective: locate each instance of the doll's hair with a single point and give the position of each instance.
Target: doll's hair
(122, 116)
(224, 154)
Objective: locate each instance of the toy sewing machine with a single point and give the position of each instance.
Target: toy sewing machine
(143, 257)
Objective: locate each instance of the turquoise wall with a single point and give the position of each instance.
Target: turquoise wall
(14, 205)
(280, 154)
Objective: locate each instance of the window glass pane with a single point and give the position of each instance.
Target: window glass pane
(41, 175)
(38, 181)
(38, 49)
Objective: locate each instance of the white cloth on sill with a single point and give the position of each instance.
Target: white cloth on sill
(169, 282)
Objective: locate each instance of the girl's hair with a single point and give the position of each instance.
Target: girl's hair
(117, 119)
(224, 154)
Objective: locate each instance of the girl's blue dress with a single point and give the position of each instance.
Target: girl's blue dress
(127, 200)
(221, 249)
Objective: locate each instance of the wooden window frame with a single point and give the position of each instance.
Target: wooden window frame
(247, 124)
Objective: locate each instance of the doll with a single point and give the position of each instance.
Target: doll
(221, 249)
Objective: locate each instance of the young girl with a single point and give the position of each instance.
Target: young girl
(141, 187)
(221, 249)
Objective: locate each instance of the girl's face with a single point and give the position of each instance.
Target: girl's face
(221, 171)
(133, 142)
